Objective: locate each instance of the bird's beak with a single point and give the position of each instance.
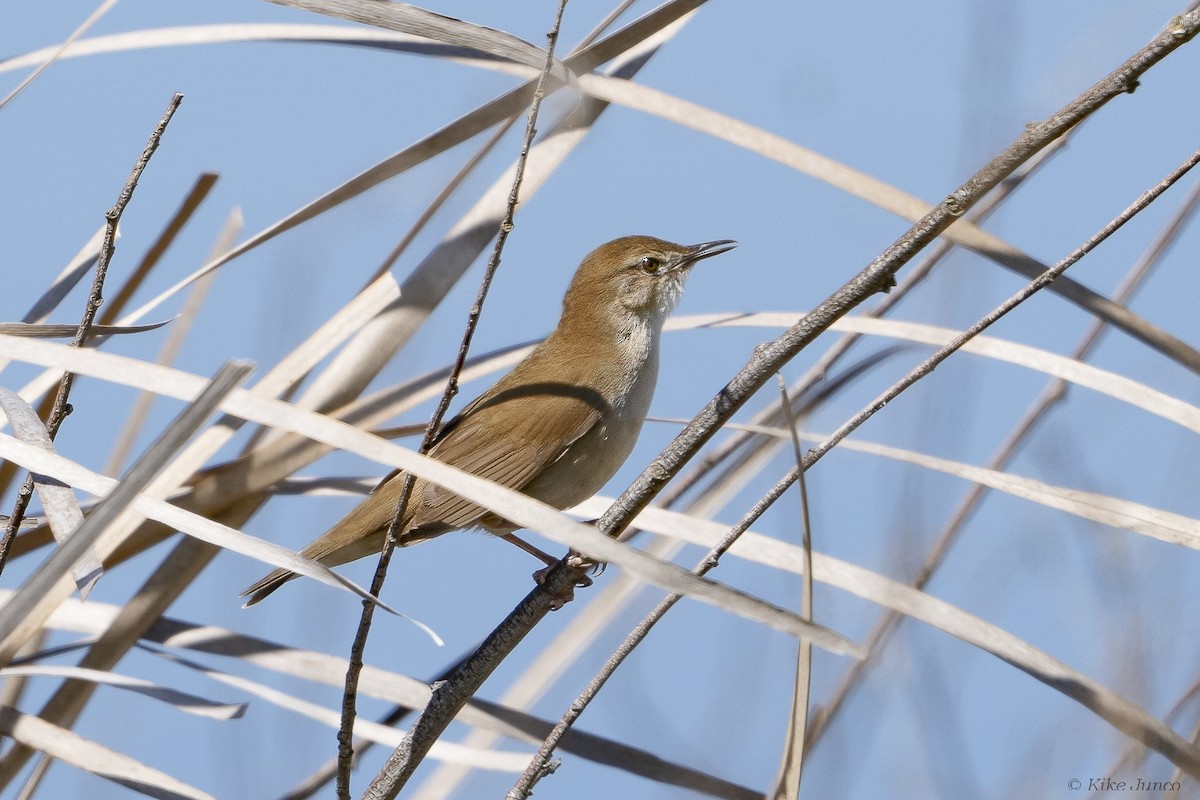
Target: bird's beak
(699, 252)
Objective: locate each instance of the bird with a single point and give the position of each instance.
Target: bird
(558, 426)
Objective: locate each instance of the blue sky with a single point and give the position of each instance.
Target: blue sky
(919, 96)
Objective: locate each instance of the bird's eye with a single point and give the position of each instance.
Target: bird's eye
(650, 264)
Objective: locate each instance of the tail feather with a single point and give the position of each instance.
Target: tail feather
(334, 548)
(259, 590)
(359, 534)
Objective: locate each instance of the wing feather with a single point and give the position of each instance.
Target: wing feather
(558, 414)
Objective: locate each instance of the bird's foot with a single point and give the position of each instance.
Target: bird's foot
(575, 561)
(580, 561)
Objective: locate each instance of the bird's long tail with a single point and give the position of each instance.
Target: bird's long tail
(255, 592)
(339, 545)
(359, 534)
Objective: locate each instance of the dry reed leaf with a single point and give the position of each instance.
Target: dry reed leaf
(882, 195)
(93, 618)
(381, 734)
(436, 27)
(1105, 509)
(206, 530)
(1120, 713)
(791, 759)
(189, 35)
(76, 268)
(73, 749)
(58, 502)
(59, 331)
(57, 51)
(1076, 372)
(139, 411)
(1127, 515)
(115, 302)
(522, 510)
(1069, 369)
(181, 701)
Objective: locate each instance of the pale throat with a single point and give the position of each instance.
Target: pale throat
(636, 341)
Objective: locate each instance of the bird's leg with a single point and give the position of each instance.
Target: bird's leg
(540, 555)
(550, 562)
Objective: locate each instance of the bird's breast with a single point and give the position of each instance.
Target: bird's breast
(588, 462)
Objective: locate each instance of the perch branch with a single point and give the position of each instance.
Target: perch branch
(346, 731)
(450, 696)
(60, 409)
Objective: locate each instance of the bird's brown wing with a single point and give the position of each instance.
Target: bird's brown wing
(555, 416)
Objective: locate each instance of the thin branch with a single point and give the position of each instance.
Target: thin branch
(1033, 287)
(183, 215)
(64, 707)
(927, 366)
(877, 276)
(1053, 393)
(346, 731)
(60, 408)
(539, 765)
(706, 463)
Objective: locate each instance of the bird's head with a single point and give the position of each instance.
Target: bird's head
(636, 275)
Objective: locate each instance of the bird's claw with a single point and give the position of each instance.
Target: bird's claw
(561, 599)
(575, 561)
(579, 561)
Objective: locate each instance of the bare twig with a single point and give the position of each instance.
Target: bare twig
(60, 408)
(927, 366)
(877, 276)
(539, 765)
(706, 463)
(66, 704)
(190, 204)
(346, 731)
(1050, 396)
